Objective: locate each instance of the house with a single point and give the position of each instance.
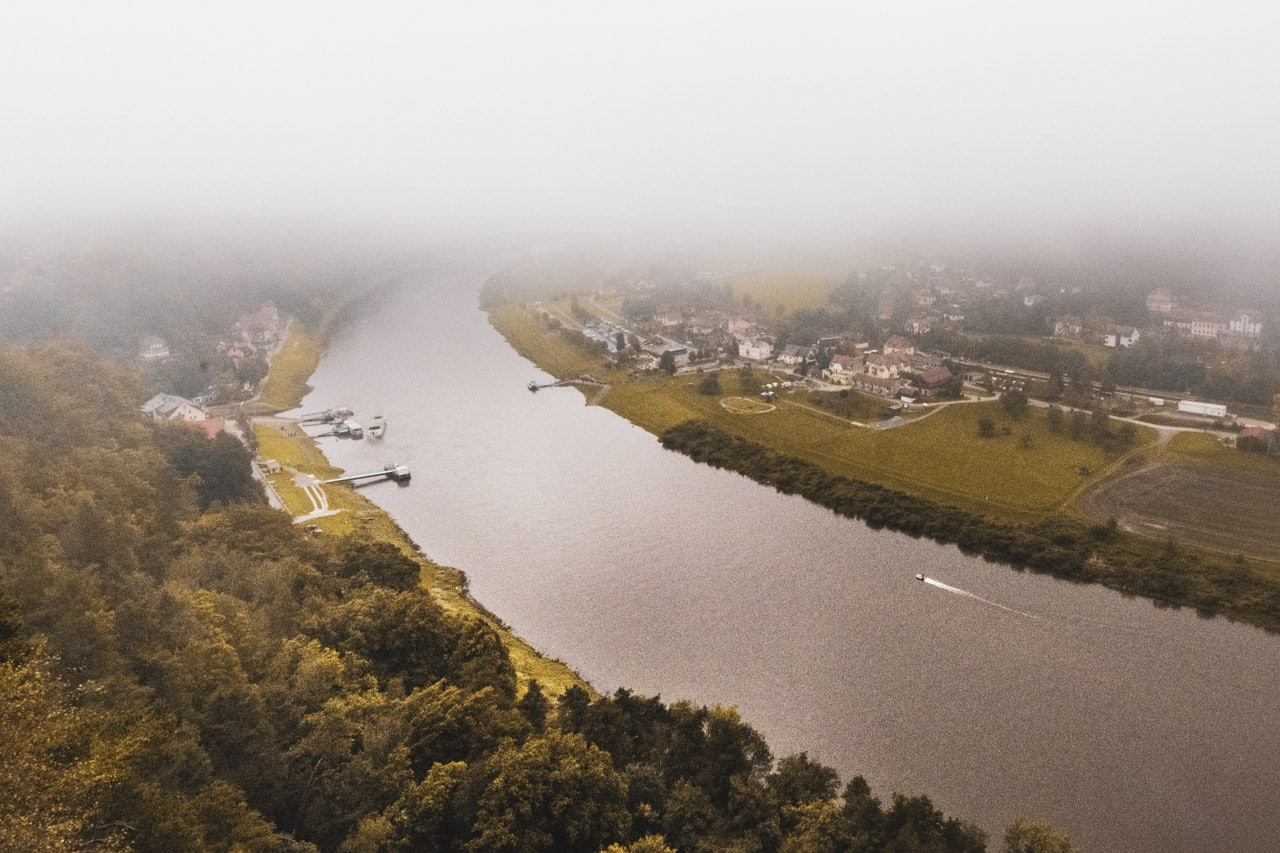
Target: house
(1197, 324)
(1068, 327)
(876, 385)
(898, 345)
(1031, 300)
(679, 355)
(170, 407)
(830, 341)
(1121, 336)
(933, 380)
(669, 319)
(756, 349)
(794, 355)
(917, 326)
(660, 347)
(884, 366)
(843, 368)
(153, 348)
(1258, 439)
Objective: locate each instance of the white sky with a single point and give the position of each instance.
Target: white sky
(689, 115)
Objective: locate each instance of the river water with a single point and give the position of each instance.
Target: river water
(997, 693)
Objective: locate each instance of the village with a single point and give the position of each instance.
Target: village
(254, 337)
(900, 334)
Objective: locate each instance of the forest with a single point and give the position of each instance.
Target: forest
(181, 668)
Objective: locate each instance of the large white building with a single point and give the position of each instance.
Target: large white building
(1247, 324)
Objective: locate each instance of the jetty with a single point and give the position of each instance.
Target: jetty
(584, 379)
(399, 473)
(328, 416)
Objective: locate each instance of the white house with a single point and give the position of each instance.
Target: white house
(755, 349)
(153, 348)
(1121, 336)
(793, 355)
(170, 407)
(1196, 324)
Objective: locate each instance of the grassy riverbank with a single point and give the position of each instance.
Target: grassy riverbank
(286, 443)
(1011, 497)
(1024, 473)
(291, 367)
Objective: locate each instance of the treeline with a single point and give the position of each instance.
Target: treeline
(1063, 547)
(182, 669)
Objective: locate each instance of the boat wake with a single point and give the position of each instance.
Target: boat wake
(967, 594)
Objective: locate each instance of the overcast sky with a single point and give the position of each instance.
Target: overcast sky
(678, 115)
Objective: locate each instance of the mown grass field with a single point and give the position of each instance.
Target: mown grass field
(940, 456)
(1204, 448)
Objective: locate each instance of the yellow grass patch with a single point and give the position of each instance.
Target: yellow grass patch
(291, 367)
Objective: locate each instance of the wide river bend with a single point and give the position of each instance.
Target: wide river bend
(1128, 726)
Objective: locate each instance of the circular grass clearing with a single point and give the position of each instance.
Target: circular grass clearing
(746, 406)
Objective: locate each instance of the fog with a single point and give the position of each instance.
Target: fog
(548, 120)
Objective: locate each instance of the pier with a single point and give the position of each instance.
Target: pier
(328, 416)
(562, 383)
(399, 473)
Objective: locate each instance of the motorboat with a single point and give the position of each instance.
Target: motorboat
(919, 577)
(378, 428)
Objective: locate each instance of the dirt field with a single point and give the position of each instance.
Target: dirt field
(1232, 511)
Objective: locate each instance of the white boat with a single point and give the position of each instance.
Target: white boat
(355, 430)
(378, 428)
(919, 577)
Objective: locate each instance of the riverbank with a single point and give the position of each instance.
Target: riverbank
(946, 489)
(285, 442)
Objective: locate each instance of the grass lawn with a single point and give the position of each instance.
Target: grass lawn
(1205, 448)
(291, 367)
(528, 336)
(940, 457)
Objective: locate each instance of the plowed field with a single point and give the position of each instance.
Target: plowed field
(1234, 511)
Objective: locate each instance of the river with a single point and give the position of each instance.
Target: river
(998, 693)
